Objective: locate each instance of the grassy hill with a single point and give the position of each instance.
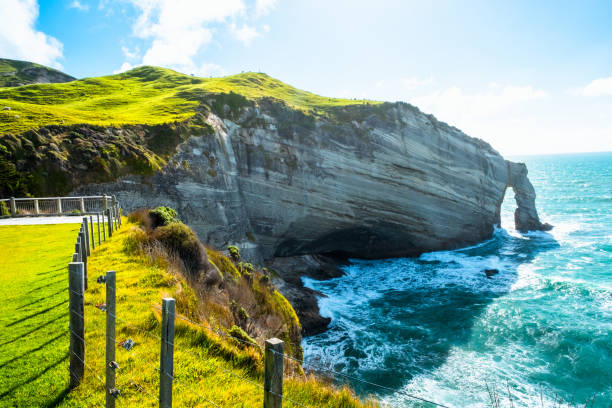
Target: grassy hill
(144, 95)
(34, 320)
(18, 73)
(55, 137)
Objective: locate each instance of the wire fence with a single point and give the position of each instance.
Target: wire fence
(97, 229)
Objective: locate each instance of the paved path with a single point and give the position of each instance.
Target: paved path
(42, 220)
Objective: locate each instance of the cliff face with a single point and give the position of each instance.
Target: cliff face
(373, 182)
(365, 181)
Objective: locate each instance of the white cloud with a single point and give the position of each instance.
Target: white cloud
(414, 83)
(454, 103)
(179, 29)
(130, 54)
(266, 28)
(126, 66)
(76, 4)
(263, 7)
(507, 116)
(598, 87)
(245, 34)
(205, 70)
(20, 40)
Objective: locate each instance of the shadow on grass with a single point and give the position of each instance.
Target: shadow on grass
(56, 401)
(48, 272)
(65, 315)
(42, 346)
(34, 377)
(47, 285)
(28, 317)
(42, 299)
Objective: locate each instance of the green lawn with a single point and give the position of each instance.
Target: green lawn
(34, 313)
(34, 342)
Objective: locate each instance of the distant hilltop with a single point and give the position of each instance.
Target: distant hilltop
(18, 73)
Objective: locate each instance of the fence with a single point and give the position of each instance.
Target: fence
(274, 356)
(48, 206)
(93, 232)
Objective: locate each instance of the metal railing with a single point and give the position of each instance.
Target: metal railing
(53, 206)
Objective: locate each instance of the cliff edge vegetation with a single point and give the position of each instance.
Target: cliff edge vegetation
(208, 365)
(56, 137)
(145, 95)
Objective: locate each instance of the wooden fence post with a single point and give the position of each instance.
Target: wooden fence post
(77, 248)
(59, 205)
(166, 370)
(104, 225)
(93, 238)
(36, 208)
(86, 233)
(77, 323)
(111, 365)
(13, 207)
(99, 234)
(110, 223)
(273, 374)
(82, 205)
(83, 247)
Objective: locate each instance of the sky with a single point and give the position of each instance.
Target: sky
(529, 77)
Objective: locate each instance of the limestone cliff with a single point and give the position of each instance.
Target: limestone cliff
(367, 181)
(372, 182)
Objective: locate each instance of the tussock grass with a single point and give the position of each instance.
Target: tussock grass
(207, 365)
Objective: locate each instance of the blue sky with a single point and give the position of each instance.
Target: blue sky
(527, 76)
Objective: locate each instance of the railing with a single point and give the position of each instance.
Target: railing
(50, 206)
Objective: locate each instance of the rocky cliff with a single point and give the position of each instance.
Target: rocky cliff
(367, 181)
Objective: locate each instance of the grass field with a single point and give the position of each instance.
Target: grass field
(34, 313)
(34, 351)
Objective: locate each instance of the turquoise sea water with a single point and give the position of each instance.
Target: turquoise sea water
(436, 327)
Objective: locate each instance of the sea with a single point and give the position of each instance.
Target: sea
(435, 328)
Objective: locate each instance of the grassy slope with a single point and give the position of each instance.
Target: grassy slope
(203, 361)
(144, 95)
(14, 72)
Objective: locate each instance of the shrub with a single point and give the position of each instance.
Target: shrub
(179, 238)
(243, 314)
(240, 336)
(140, 217)
(162, 216)
(234, 253)
(4, 211)
(75, 212)
(135, 241)
(223, 263)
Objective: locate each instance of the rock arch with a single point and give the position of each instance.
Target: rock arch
(525, 216)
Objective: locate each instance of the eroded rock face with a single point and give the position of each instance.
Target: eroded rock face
(367, 182)
(525, 216)
(373, 182)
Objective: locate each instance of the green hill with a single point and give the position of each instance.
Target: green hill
(56, 137)
(144, 95)
(18, 73)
